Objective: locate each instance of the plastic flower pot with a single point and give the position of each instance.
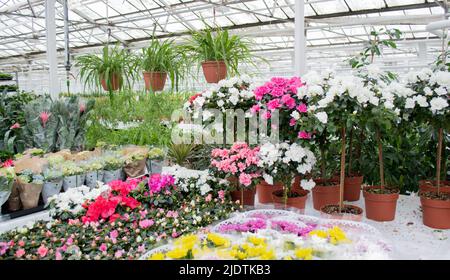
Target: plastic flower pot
(214, 71)
(298, 202)
(248, 195)
(154, 166)
(380, 206)
(116, 82)
(351, 212)
(73, 181)
(112, 175)
(155, 81)
(323, 195)
(430, 186)
(436, 213)
(29, 194)
(352, 187)
(51, 188)
(92, 177)
(265, 190)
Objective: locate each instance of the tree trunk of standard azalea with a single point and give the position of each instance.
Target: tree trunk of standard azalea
(438, 159)
(350, 151)
(342, 175)
(380, 158)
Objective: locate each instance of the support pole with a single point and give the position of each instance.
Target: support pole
(66, 44)
(51, 47)
(300, 38)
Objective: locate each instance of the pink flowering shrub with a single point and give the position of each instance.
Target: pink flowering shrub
(240, 162)
(252, 225)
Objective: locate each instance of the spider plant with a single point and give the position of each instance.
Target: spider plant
(218, 45)
(114, 66)
(165, 57)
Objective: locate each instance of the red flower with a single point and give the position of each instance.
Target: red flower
(14, 126)
(192, 98)
(44, 116)
(8, 163)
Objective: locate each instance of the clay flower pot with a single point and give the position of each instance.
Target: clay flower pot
(357, 216)
(265, 190)
(155, 81)
(214, 71)
(295, 202)
(323, 195)
(116, 82)
(436, 213)
(380, 207)
(296, 185)
(430, 186)
(248, 194)
(352, 187)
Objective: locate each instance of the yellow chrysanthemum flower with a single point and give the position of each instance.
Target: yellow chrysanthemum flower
(218, 240)
(268, 255)
(337, 235)
(304, 253)
(187, 241)
(319, 233)
(256, 240)
(177, 253)
(157, 257)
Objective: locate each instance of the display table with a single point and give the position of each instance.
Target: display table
(408, 236)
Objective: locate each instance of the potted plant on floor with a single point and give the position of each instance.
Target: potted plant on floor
(159, 60)
(53, 181)
(74, 175)
(378, 115)
(218, 52)
(429, 104)
(110, 70)
(155, 159)
(94, 172)
(279, 164)
(112, 170)
(239, 165)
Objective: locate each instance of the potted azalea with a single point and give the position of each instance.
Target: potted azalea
(53, 181)
(112, 169)
(429, 104)
(239, 165)
(30, 187)
(110, 70)
(74, 175)
(343, 102)
(155, 159)
(7, 175)
(94, 172)
(378, 115)
(280, 163)
(159, 60)
(218, 52)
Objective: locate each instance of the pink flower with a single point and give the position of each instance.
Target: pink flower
(19, 253)
(245, 179)
(302, 108)
(119, 253)
(273, 104)
(58, 256)
(42, 251)
(44, 116)
(304, 135)
(277, 92)
(221, 194)
(69, 241)
(174, 234)
(288, 101)
(103, 247)
(146, 223)
(141, 248)
(21, 243)
(82, 107)
(254, 109)
(14, 126)
(208, 198)
(267, 115)
(292, 122)
(8, 163)
(114, 234)
(260, 92)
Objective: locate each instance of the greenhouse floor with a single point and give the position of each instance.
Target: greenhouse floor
(408, 236)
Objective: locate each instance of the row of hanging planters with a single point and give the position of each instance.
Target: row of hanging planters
(37, 175)
(217, 52)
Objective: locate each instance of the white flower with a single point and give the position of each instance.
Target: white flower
(220, 103)
(307, 184)
(438, 103)
(421, 100)
(199, 101)
(268, 179)
(410, 103)
(207, 114)
(441, 78)
(295, 115)
(441, 91)
(428, 91)
(207, 94)
(322, 117)
(204, 189)
(234, 99)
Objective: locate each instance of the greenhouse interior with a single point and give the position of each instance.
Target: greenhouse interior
(224, 130)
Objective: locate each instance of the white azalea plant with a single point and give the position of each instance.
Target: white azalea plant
(282, 161)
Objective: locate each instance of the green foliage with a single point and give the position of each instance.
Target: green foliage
(151, 113)
(164, 56)
(5, 77)
(8, 88)
(181, 153)
(113, 61)
(216, 45)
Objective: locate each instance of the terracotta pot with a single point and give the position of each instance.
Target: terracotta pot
(296, 185)
(344, 216)
(380, 207)
(296, 202)
(214, 71)
(436, 213)
(249, 196)
(155, 81)
(430, 186)
(116, 82)
(352, 188)
(264, 191)
(323, 195)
